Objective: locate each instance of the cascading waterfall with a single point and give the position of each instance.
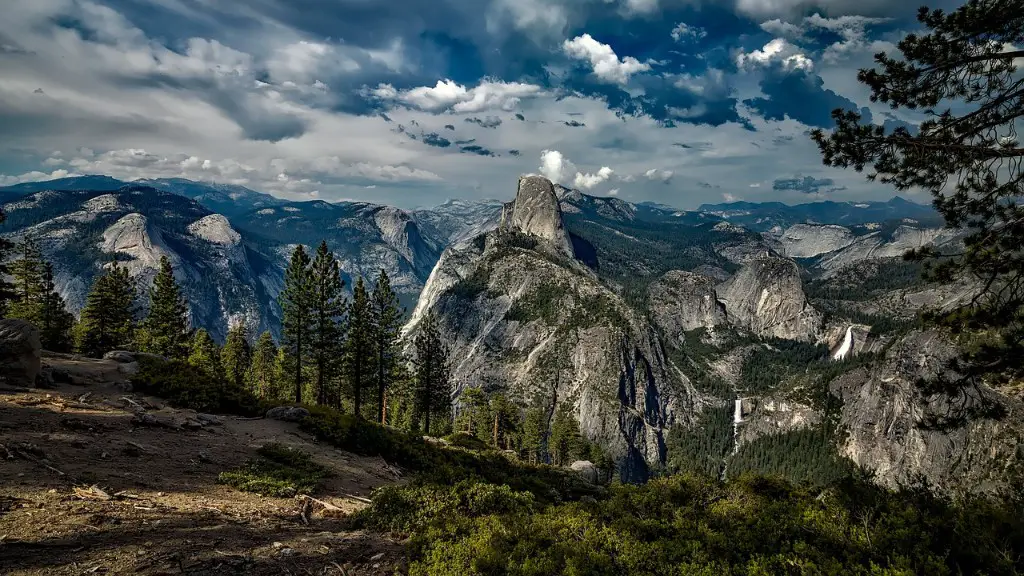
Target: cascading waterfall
(847, 345)
(737, 419)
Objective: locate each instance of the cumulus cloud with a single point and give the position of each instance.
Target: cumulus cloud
(448, 95)
(657, 175)
(683, 32)
(779, 51)
(556, 167)
(588, 181)
(605, 64)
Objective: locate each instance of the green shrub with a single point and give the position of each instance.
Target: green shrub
(185, 386)
(277, 471)
(415, 506)
(467, 441)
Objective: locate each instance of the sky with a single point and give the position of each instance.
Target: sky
(412, 102)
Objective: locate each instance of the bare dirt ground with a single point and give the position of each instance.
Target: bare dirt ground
(157, 507)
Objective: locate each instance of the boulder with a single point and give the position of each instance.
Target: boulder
(20, 353)
(586, 470)
(288, 413)
(120, 356)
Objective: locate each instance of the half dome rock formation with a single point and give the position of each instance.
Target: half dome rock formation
(523, 319)
(133, 236)
(767, 297)
(682, 301)
(536, 212)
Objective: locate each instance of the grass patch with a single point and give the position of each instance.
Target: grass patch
(277, 471)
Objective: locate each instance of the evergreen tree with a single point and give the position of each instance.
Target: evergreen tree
(236, 356)
(262, 376)
(204, 354)
(505, 425)
(387, 322)
(55, 322)
(327, 334)
(359, 346)
(474, 414)
(296, 302)
(6, 288)
(108, 319)
(27, 272)
(565, 444)
(535, 432)
(165, 329)
(964, 73)
(433, 380)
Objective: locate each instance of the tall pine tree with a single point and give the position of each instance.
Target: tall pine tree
(108, 319)
(296, 304)
(236, 356)
(165, 329)
(387, 322)
(55, 322)
(433, 387)
(262, 376)
(359, 347)
(27, 273)
(6, 289)
(327, 334)
(204, 354)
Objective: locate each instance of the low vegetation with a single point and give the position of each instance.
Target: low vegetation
(277, 471)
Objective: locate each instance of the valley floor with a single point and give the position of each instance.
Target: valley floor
(157, 507)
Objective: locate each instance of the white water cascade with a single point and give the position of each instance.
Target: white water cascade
(737, 419)
(846, 347)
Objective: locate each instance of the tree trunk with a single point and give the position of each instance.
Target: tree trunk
(380, 382)
(298, 368)
(357, 385)
(496, 431)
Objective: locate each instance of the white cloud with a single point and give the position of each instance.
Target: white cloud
(613, 192)
(656, 175)
(555, 167)
(729, 197)
(783, 29)
(778, 50)
(588, 181)
(34, 176)
(603, 60)
(642, 6)
(683, 32)
(446, 94)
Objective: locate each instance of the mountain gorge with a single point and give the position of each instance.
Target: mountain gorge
(735, 337)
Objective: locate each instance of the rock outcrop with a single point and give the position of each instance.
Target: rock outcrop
(523, 318)
(682, 301)
(536, 212)
(20, 353)
(766, 297)
(809, 240)
(901, 433)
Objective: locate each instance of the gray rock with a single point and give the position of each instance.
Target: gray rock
(586, 470)
(20, 353)
(210, 420)
(682, 301)
(766, 297)
(536, 212)
(120, 356)
(128, 368)
(288, 413)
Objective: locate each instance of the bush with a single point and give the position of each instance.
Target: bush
(277, 471)
(185, 386)
(415, 506)
(467, 441)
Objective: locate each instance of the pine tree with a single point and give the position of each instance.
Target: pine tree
(327, 334)
(262, 375)
(108, 319)
(359, 346)
(55, 322)
(6, 288)
(565, 444)
(535, 432)
(505, 425)
(165, 329)
(433, 387)
(964, 73)
(27, 274)
(204, 354)
(474, 414)
(387, 323)
(296, 301)
(236, 356)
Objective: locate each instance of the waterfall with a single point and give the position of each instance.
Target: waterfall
(737, 418)
(846, 347)
(738, 413)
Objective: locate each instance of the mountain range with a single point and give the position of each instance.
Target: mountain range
(680, 339)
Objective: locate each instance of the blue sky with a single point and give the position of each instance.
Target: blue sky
(411, 102)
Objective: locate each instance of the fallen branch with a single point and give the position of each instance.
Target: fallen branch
(94, 492)
(327, 506)
(359, 498)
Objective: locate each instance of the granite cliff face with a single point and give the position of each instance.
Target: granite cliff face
(766, 297)
(524, 317)
(682, 301)
(902, 433)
